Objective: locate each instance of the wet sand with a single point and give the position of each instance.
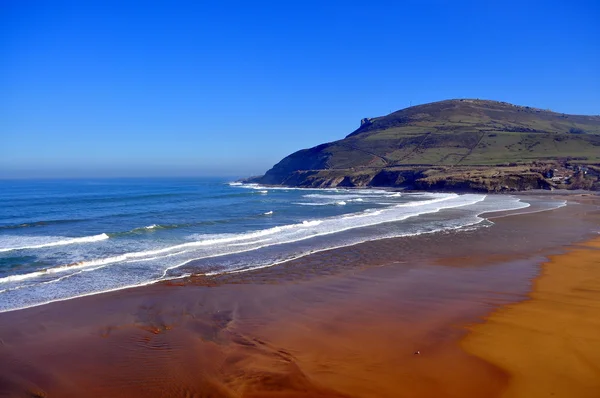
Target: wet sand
(549, 344)
(389, 318)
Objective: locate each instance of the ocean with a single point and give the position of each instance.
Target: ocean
(61, 239)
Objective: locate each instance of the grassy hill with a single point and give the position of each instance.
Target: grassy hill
(470, 144)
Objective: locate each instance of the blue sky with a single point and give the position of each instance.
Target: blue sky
(228, 88)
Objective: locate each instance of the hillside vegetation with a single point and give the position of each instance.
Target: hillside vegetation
(455, 144)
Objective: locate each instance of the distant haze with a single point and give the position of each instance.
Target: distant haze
(105, 89)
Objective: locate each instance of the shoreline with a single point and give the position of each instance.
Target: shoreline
(341, 323)
(548, 343)
(484, 216)
(408, 189)
(526, 192)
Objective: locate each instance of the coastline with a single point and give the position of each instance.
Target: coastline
(532, 192)
(212, 269)
(346, 322)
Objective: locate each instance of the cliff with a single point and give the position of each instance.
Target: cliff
(455, 145)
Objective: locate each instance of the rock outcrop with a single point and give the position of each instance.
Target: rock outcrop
(470, 145)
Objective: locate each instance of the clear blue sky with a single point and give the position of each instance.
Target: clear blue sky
(228, 88)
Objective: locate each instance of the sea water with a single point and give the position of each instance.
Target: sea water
(61, 239)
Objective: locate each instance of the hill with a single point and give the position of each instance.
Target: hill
(455, 144)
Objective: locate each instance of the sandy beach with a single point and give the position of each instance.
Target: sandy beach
(510, 310)
(550, 343)
(294, 199)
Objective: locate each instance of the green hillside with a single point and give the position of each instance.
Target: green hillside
(450, 138)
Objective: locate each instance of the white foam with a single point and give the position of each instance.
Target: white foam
(262, 187)
(554, 206)
(430, 201)
(268, 213)
(249, 243)
(335, 203)
(343, 196)
(313, 223)
(357, 222)
(124, 271)
(216, 240)
(93, 293)
(39, 242)
(206, 240)
(16, 278)
(475, 224)
(469, 227)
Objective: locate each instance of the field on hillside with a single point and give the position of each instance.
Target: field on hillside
(466, 143)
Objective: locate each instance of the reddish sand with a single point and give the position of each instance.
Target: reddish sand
(550, 344)
(344, 323)
(351, 335)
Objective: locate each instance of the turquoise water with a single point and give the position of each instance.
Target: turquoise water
(61, 239)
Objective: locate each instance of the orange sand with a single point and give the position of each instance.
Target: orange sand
(341, 323)
(333, 337)
(550, 344)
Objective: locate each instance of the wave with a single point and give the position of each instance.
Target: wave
(151, 227)
(285, 233)
(344, 196)
(345, 199)
(465, 227)
(476, 222)
(53, 241)
(336, 203)
(263, 187)
(80, 295)
(139, 256)
(40, 223)
(154, 227)
(249, 243)
(174, 261)
(268, 213)
(426, 202)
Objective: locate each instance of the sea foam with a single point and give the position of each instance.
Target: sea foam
(39, 242)
(237, 252)
(215, 244)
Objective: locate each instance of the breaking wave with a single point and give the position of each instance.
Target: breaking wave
(40, 242)
(211, 244)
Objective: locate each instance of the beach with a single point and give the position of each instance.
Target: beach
(505, 311)
(549, 344)
(299, 199)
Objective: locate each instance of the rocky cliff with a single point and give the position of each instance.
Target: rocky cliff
(471, 145)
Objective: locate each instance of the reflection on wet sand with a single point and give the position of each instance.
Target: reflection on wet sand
(550, 344)
(380, 319)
